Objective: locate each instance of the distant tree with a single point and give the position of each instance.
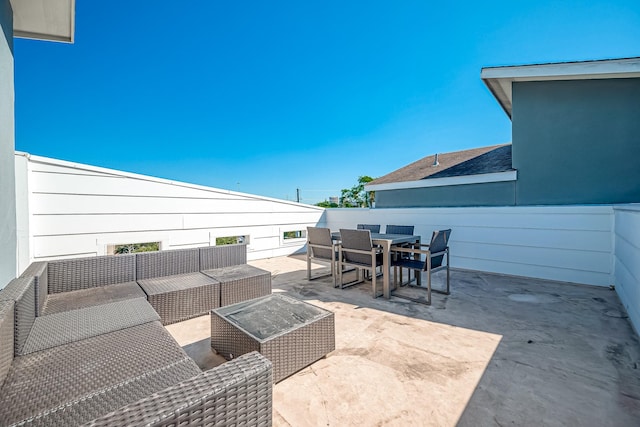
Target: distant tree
(130, 248)
(230, 240)
(356, 196)
(327, 204)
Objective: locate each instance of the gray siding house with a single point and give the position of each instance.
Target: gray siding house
(575, 140)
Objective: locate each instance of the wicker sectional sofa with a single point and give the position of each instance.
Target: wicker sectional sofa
(82, 341)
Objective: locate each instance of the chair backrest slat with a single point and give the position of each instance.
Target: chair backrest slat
(400, 229)
(439, 242)
(321, 237)
(374, 228)
(359, 240)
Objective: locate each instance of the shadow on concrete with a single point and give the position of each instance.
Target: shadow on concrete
(567, 354)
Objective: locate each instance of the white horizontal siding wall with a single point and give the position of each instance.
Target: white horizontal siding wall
(627, 259)
(568, 243)
(78, 210)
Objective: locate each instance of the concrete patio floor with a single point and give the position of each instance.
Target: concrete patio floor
(500, 350)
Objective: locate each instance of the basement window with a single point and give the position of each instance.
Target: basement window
(231, 240)
(131, 248)
(293, 237)
(297, 234)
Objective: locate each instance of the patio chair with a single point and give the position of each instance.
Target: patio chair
(402, 229)
(371, 227)
(358, 251)
(321, 246)
(434, 257)
(374, 228)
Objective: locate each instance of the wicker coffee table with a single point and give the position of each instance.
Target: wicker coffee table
(291, 333)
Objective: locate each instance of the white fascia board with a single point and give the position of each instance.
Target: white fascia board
(51, 20)
(442, 182)
(614, 68)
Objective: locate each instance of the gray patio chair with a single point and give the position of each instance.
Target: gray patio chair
(358, 251)
(374, 228)
(321, 246)
(402, 229)
(434, 257)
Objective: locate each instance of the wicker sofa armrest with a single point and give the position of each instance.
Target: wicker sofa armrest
(39, 271)
(238, 392)
(6, 338)
(23, 291)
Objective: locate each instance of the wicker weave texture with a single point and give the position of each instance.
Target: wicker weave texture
(237, 393)
(39, 271)
(222, 256)
(228, 340)
(166, 263)
(182, 297)
(300, 347)
(289, 351)
(75, 325)
(90, 375)
(241, 282)
(23, 291)
(83, 298)
(6, 338)
(83, 273)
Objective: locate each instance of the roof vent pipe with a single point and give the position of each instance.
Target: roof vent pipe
(435, 160)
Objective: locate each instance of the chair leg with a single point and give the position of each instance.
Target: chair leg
(308, 265)
(429, 287)
(448, 289)
(374, 284)
(395, 277)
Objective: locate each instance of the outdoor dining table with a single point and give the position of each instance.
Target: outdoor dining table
(386, 242)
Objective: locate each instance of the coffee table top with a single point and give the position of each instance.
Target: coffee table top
(271, 315)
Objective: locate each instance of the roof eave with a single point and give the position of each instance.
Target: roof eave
(484, 178)
(499, 80)
(50, 20)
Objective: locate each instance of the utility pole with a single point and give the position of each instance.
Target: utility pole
(298, 195)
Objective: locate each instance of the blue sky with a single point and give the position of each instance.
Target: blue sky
(267, 97)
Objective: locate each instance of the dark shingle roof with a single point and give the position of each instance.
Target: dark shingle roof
(496, 158)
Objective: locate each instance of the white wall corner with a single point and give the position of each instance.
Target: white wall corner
(23, 246)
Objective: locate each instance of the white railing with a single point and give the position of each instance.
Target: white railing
(567, 243)
(71, 210)
(67, 210)
(595, 245)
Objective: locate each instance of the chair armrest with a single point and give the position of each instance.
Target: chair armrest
(410, 250)
(417, 251)
(237, 392)
(375, 249)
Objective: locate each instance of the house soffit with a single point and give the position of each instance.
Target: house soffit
(52, 20)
